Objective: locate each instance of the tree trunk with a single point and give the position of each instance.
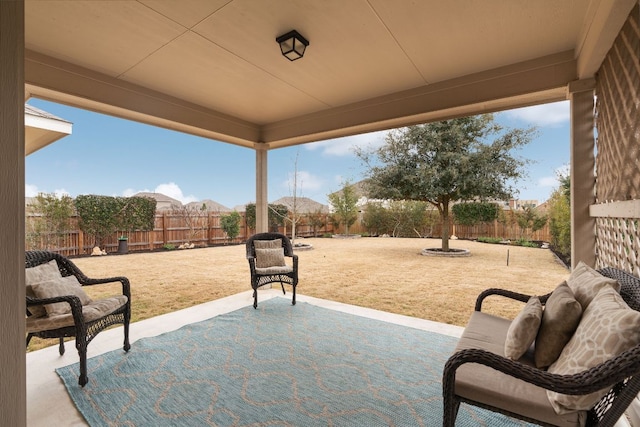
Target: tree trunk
(445, 225)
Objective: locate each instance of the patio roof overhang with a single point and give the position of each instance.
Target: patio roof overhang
(213, 68)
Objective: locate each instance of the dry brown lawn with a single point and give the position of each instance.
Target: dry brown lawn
(387, 274)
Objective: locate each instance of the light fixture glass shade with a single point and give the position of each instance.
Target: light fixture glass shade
(292, 45)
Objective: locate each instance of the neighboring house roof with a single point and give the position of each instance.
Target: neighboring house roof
(303, 204)
(210, 205)
(42, 128)
(163, 201)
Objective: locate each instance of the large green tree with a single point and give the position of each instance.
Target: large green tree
(470, 158)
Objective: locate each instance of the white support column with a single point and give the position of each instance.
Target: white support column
(262, 201)
(13, 382)
(583, 226)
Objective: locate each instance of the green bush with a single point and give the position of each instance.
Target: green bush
(169, 246)
(490, 239)
(526, 243)
(471, 213)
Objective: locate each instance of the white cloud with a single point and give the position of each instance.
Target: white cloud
(345, 146)
(170, 189)
(30, 190)
(553, 114)
(547, 181)
(305, 181)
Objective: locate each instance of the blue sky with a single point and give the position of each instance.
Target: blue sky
(115, 157)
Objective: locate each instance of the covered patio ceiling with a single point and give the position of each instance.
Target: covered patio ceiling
(212, 67)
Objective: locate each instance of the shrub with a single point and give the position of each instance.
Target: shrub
(490, 239)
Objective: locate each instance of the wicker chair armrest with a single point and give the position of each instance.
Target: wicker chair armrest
(597, 378)
(507, 294)
(126, 286)
(252, 264)
(72, 300)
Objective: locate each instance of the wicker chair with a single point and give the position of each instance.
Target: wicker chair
(84, 322)
(261, 276)
(621, 374)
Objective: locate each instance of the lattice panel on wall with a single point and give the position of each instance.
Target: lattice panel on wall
(618, 243)
(618, 147)
(618, 117)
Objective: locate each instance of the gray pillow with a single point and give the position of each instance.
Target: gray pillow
(585, 282)
(60, 287)
(560, 319)
(523, 329)
(40, 273)
(267, 244)
(272, 257)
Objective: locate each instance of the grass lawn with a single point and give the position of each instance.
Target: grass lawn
(387, 274)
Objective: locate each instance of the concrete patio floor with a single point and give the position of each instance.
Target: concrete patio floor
(48, 402)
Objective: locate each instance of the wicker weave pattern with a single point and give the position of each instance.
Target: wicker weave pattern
(82, 330)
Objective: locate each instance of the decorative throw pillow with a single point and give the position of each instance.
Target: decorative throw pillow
(560, 318)
(40, 273)
(608, 327)
(585, 283)
(267, 244)
(523, 329)
(60, 287)
(270, 258)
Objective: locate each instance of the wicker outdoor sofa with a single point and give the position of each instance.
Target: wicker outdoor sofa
(480, 374)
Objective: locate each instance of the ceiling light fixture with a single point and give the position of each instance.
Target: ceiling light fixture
(292, 45)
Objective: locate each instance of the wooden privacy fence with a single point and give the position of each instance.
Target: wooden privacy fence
(173, 229)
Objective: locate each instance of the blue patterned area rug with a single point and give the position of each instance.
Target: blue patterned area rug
(280, 365)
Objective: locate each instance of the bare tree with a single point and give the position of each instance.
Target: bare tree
(294, 215)
(194, 218)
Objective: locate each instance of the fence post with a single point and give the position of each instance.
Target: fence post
(80, 242)
(164, 228)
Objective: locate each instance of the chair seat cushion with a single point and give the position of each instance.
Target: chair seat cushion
(274, 270)
(90, 312)
(487, 386)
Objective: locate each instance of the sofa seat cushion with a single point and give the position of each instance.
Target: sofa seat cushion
(487, 386)
(90, 312)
